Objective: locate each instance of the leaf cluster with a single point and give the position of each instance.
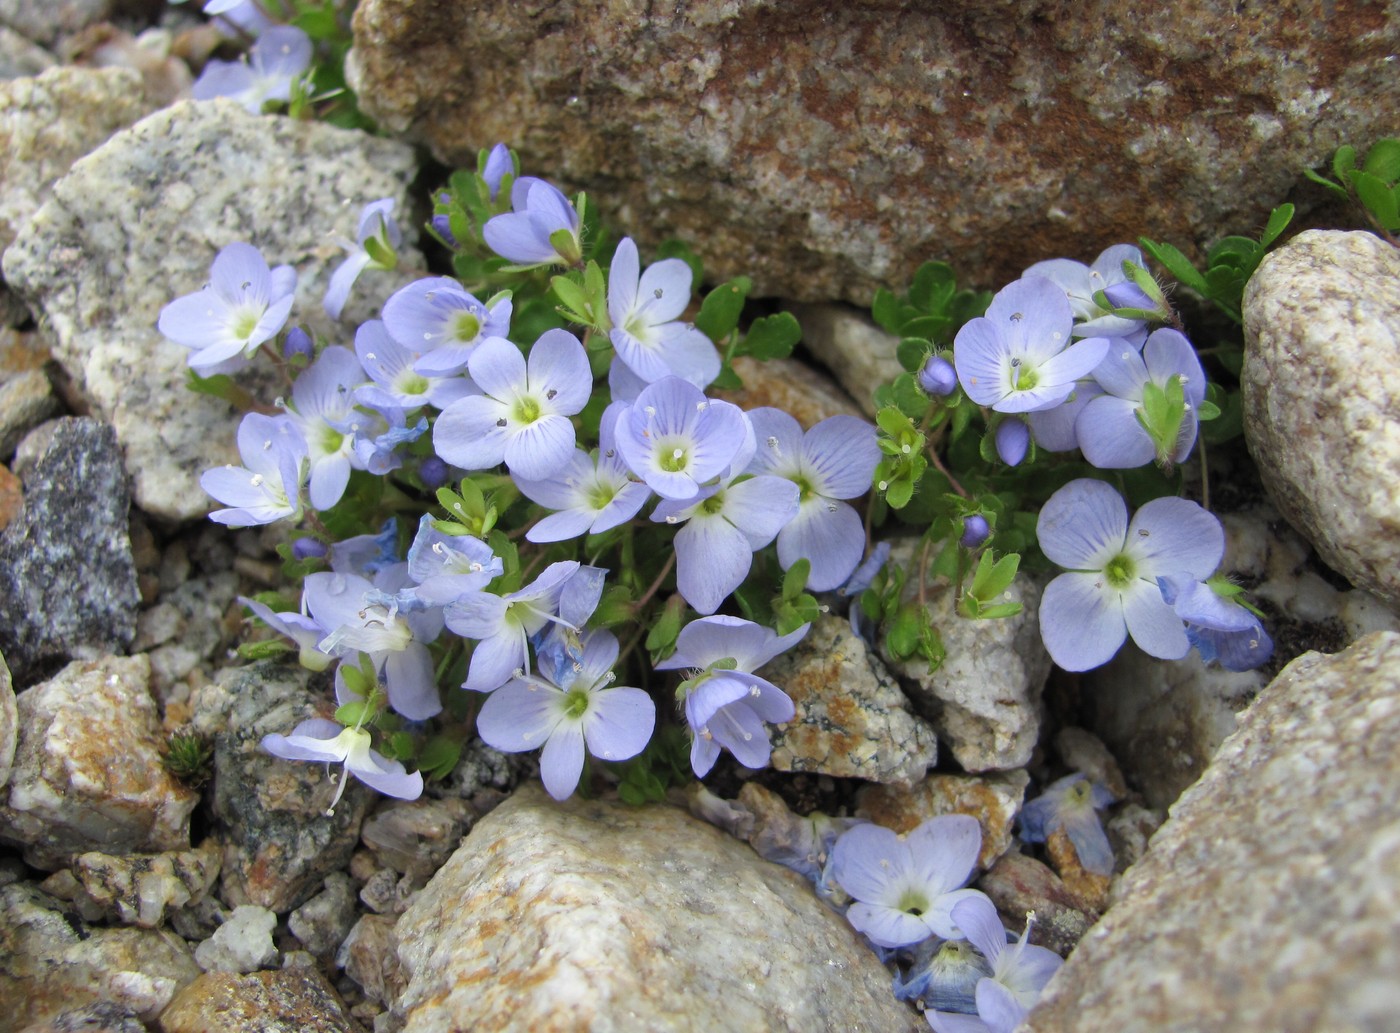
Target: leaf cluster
(934, 308)
(1375, 185)
(1229, 263)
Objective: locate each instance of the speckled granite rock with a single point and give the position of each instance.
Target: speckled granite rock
(9, 723)
(102, 1017)
(138, 222)
(88, 772)
(825, 149)
(46, 22)
(852, 719)
(297, 1000)
(1322, 397)
(20, 57)
(52, 961)
(1268, 899)
(49, 122)
(994, 800)
(280, 843)
(859, 354)
(140, 888)
(1164, 720)
(67, 580)
(984, 699)
(591, 914)
(323, 922)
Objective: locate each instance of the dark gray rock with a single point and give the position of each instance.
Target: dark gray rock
(280, 840)
(67, 581)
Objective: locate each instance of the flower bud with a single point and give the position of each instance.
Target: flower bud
(308, 548)
(433, 473)
(1128, 295)
(298, 342)
(975, 531)
(938, 377)
(1013, 440)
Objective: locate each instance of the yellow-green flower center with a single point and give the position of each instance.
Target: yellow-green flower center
(1120, 571)
(465, 326)
(527, 410)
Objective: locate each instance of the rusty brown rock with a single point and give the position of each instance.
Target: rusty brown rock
(828, 148)
(1018, 884)
(296, 1000)
(1089, 888)
(993, 800)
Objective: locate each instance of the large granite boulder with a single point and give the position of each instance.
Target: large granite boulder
(1267, 901)
(830, 148)
(1322, 397)
(137, 223)
(595, 915)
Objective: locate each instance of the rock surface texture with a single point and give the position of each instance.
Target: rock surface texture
(137, 223)
(67, 579)
(1268, 899)
(88, 772)
(289, 1001)
(826, 149)
(1164, 721)
(595, 915)
(1322, 397)
(852, 719)
(984, 699)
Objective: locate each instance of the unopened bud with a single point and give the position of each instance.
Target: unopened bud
(298, 342)
(975, 531)
(1013, 440)
(938, 377)
(433, 473)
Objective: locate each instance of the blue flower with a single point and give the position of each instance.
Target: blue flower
(905, 886)
(543, 228)
(243, 305)
(830, 463)
(1108, 428)
(446, 567)
(267, 486)
(326, 742)
(1110, 590)
(323, 408)
(577, 708)
(377, 223)
(1019, 973)
(1081, 282)
(1018, 357)
(591, 494)
(502, 625)
(396, 383)
(726, 704)
(278, 59)
(675, 439)
(1072, 804)
(1221, 630)
(1013, 441)
(644, 308)
(439, 323)
(522, 416)
(938, 377)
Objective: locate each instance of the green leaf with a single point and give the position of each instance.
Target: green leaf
(220, 385)
(1379, 200)
(933, 285)
(899, 493)
(720, 311)
(352, 714)
(911, 401)
(913, 352)
(439, 757)
(728, 380)
(1344, 161)
(1207, 411)
(661, 639)
(795, 580)
(1323, 181)
(565, 244)
(1279, 219)
(885, 310)
(772, 337)
(1175, 263)
(998, 610)
(263, 650)
(572, 296)
(993, 578)
(902, 638)
(1383, 161)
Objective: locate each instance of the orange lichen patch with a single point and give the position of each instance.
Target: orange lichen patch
(11, 496)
